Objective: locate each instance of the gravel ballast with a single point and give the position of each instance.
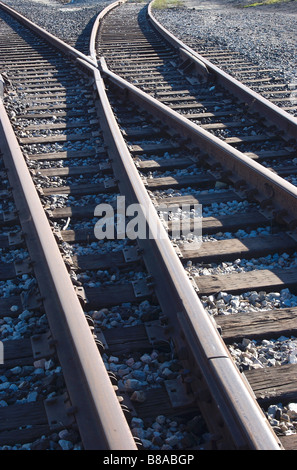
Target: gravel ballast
(70, 21)
(265, 34)
(221, 23)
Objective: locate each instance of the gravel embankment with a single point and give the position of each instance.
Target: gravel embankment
(264, 34)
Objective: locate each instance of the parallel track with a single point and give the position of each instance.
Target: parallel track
(47, 98)
(152, 292)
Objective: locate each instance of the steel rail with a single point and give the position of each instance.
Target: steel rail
(268, 184)
(284, 194)
(236, 404)
(50, 38)
(217, 365)
(94, 404)
(254, 100)
(96, 25)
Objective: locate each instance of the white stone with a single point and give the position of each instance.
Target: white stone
(292, 410)
(139, 396)
(4, 386)
(137, 422)
(246, 342)
(146, 443)
(172, 441)
(133, 384)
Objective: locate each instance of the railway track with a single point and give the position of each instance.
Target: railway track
(209, 264)
(63, 373)
(271, 83)
(169, 375)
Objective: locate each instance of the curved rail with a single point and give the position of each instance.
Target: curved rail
(238, 409)
(256, 102)
(284, 193)
(236, 404)
(56, 42)
(92, 46)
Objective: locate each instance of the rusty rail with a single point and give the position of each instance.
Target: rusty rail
(96, 408)
(50, 38)
(255, 101)
(269, 185)
(235, 403)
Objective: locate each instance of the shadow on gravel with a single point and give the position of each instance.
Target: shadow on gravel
(83, 40)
